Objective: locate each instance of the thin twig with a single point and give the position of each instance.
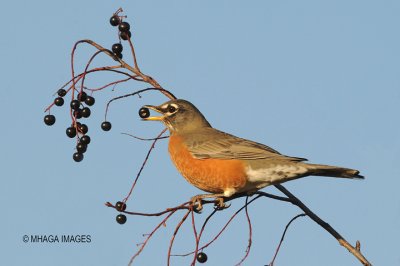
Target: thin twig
(184, 206)
(199, 237)
(196, 237)
(135, 70)
(143, 164)
(149, 236)
(250, 234)
(145, 139)
(325, 225)
(79, 76)
(175, 233)
(223, 228)
(114, 83)
(283, 236)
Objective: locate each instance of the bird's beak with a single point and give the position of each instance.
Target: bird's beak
(154, 118)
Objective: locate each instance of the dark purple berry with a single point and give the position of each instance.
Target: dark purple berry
(85, 139)
(86, 112)
(120, 206)
(61, 92)
(71, 132)
(89, 100)
(78, 114)
(201, 257)
(115, 20)
(59, 101)
(106, 126)
(144, 112)
(125, 35)
(77, 157)
(121, 219)
(49, 120)
(124, 26)
(82, 96)
(81, 148)
(75, 104)
(83, 128)
(117, 48)
(118, 56)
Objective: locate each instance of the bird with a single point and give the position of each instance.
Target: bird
(224, 165)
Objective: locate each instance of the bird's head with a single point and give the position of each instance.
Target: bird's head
(179, 116)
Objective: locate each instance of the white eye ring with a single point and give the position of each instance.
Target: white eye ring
(172, 108)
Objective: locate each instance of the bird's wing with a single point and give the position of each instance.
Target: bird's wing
(226, 146)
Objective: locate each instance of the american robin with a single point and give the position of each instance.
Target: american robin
(223, 164)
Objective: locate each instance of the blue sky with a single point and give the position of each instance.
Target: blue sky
(313, 79)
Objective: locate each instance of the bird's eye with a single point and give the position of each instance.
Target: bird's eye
(171, 109)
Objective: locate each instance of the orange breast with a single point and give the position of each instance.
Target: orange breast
(211, 175)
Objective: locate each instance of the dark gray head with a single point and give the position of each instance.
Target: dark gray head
(179, 116)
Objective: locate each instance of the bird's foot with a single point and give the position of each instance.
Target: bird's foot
(219, 204)
(197, 203)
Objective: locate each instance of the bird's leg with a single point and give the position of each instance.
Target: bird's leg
(197, 201)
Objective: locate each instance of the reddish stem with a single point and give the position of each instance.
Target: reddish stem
(143, 164)
(175, 233)
(250, 233)
(109, 84)
(184, 206)
(283, 236)
(149, 236)
(196, 239)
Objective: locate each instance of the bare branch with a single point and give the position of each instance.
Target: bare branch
(143, 164)
(250, 233)
(146, 139)
(283, 236)
(325, 225)
(149, 236)
(175, 233)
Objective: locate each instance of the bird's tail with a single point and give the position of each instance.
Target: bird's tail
(333, 171)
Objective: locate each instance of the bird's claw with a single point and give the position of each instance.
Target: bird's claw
(220, 204)
(196, 203)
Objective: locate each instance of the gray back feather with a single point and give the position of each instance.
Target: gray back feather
(215, 144)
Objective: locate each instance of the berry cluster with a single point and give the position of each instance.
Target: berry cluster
(79, 106)
(124, 34)
(120, 206)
